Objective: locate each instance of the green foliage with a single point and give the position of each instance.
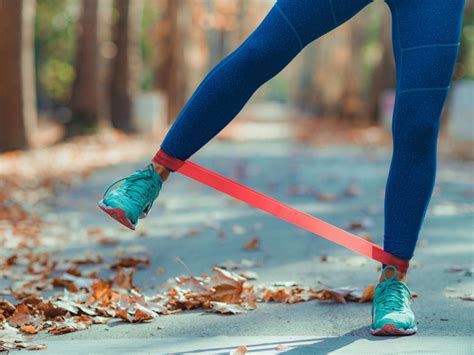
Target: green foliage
(56, 78)
(150, 18)
(55, 31)
(467, 45)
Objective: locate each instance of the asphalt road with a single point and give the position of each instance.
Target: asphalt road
(204, 228)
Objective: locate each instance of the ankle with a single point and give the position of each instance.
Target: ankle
(401, 276)
(162, 171)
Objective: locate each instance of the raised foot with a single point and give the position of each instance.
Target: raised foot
(118, 214)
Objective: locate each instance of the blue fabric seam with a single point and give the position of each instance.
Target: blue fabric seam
(430, 46)
(291, 25)
(425, 89)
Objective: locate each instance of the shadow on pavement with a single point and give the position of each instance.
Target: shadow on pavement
(316, 345)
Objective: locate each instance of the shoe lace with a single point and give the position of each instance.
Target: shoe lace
(137, 187)
(393, 295)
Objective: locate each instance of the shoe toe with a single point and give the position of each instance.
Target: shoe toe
(112, 202)
(401, 320)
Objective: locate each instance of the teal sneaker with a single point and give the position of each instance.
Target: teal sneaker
(134, 198)
(391, 312)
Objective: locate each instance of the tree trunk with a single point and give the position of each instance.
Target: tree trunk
(352, 102)
(126, 64)
(17, 87)
(170, 74)
(383, 75)
(85, 93)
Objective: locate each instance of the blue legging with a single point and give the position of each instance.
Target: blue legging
(426, 35)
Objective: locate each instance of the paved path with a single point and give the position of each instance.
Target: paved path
(186, 222)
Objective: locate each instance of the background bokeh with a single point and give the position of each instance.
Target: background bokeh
(83, 65)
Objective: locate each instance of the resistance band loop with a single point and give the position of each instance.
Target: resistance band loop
(280, 210)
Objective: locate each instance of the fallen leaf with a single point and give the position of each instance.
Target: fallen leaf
(226, 308)
(282, 347)
(241, 350)
(22, 316)
(458, 293)
(12, 339)
(227, 286)
(132, 261)
(366, 236)
(252, 244)
(249, 275)
(124, 278)
(29, 329)
(69, 325)
(368, 294)
(327, 197)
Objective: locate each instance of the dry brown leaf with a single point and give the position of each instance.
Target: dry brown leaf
(226, 308)
(327, 197)
(101, 292)
(69, 325)
(190, 284)
(22, 316)
(29, 329)
(368, 294)
(282, 347)
(227, 286)
(6, 309)
(366, 236)
(136, 313)
(249, 275)
(241, 350)
(68, 284)
(252, 244)
(12, 339)
(132, 261)
(88, 258)
(107, 241)
(124, 278)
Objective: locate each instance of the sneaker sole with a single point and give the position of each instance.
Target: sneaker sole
(117, 214)
(391, 330)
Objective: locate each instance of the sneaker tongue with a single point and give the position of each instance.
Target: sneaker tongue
(389, 273)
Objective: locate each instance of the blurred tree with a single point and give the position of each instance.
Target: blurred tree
(352, 92)
(17, 90)
(383, 71)
(323, 87)
(222, 21)
(126, 64)
(198, 50)
(84, 101)
(54, 51)
(170, 72)
(465, 65)
(150, 17)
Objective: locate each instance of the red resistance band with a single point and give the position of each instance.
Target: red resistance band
(280, 210)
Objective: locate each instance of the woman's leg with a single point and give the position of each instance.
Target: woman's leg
(285, 31)
(426, 35)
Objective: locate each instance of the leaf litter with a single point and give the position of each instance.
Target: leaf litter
(88, 300)
(86, 297)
